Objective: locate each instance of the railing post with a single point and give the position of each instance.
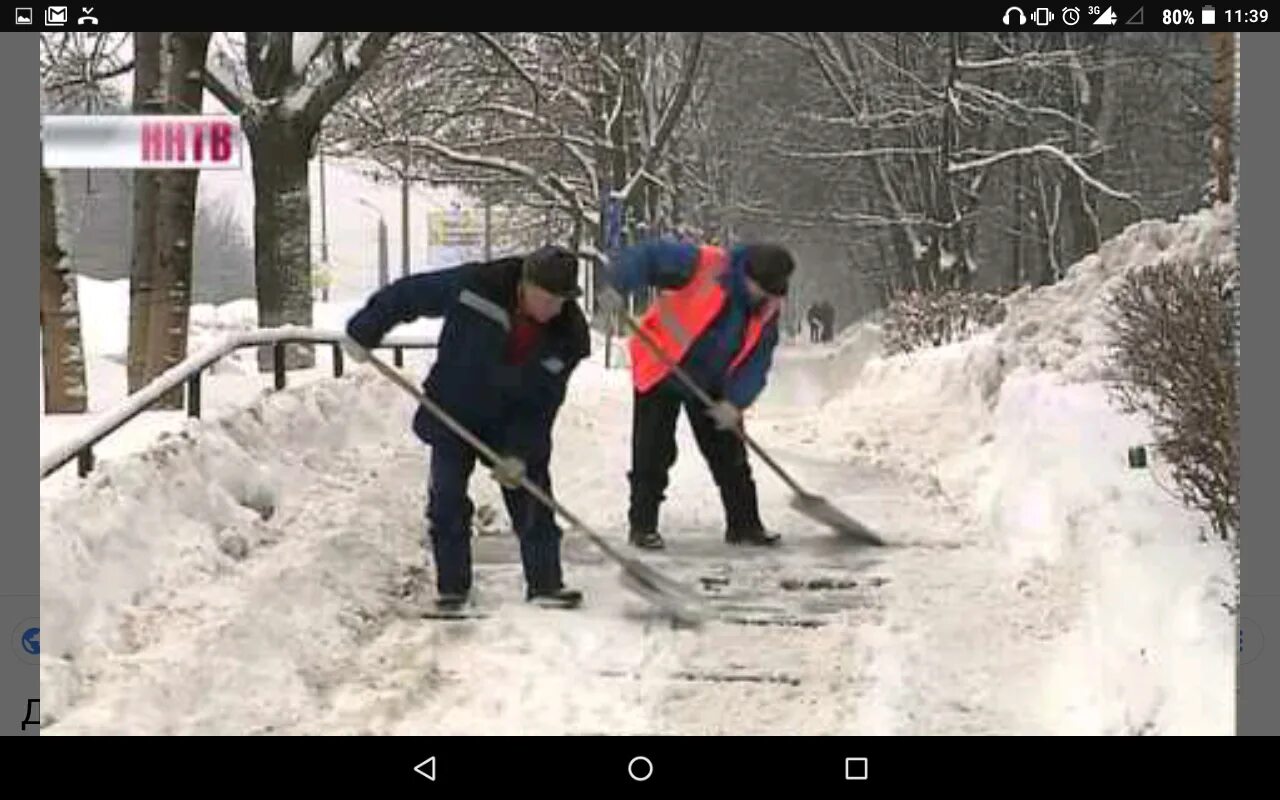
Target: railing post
(278, 357)
(337, 361)
(84, 462)
(399, 356)
(193, 395)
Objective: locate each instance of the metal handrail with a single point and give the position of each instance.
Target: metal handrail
(190, 371)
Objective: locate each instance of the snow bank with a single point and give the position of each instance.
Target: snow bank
(919, 413)
(1061, 328)
(1015, 425)
(807, 375)
(941, 403)
(1153, 651)
(148, 526)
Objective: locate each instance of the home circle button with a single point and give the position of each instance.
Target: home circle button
(640, 769)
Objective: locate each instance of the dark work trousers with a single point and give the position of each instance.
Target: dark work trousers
(653, 452)
(449, 513)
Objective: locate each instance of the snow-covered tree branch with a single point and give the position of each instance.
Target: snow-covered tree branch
(1042, 149)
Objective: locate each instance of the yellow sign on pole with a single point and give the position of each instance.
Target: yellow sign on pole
(456, 226)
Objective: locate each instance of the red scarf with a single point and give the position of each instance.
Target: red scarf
(524, 337)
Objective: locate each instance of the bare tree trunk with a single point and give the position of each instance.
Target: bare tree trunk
(1224, 96)
(148, 98)
(282, 232)
(1019, 182)
(175, 221)
(282, 115)
(1049, 189)
(677, 193)
(1085, 98)
(950, 237)
(324, 226)
(404, 214)
(612, 166)
(619, 87)
(65, 382)
(488, 227)
(888, 276)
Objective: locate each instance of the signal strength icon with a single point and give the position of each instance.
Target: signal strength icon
(1108, 18)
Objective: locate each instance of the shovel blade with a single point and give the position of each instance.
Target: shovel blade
(661, 591)
(818, 509)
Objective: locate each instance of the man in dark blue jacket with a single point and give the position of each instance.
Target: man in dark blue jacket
(718, 319)
(512, 336)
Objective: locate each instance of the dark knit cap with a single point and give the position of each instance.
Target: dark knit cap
(554, 269)
(770, 265)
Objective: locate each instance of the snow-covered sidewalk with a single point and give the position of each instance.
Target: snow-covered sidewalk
(270, 584)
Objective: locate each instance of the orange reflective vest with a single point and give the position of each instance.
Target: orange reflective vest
(679, 316)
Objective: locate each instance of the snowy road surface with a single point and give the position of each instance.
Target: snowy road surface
(273, 584)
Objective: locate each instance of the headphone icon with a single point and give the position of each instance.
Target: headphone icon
(1022, 18)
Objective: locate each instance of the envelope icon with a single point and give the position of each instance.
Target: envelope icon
(55, 15)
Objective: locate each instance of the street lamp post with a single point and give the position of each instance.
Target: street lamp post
(383, 276)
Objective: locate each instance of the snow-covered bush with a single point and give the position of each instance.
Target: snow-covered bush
(1174, 349)
(919, 319)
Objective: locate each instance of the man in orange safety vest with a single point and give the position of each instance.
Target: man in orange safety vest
(717, 317)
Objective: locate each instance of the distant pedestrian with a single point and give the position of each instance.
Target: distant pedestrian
(814, 318)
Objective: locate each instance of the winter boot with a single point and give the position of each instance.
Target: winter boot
(645, 539)
(556, 598)
(742, 513)
(451, 602)
(751, 536)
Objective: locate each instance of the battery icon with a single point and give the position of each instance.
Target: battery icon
(1206, 15)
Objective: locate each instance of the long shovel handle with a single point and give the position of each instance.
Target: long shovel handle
(482, 448)
(653, 585)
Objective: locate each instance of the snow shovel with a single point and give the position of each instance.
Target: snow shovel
(811, 505)
(658, 589)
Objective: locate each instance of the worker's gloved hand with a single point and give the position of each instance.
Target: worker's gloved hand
(355, 350)
(508, 471)
(726, 415)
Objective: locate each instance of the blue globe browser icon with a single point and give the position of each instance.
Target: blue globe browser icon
(31, 641)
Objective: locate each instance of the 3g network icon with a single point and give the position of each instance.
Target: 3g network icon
(129, 141)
